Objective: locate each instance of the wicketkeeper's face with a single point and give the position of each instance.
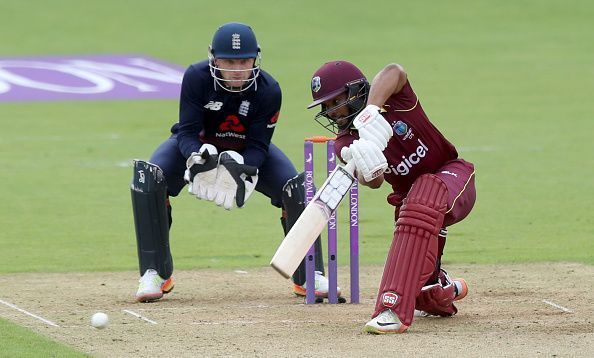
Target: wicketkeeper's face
(235, 71)
(337, 109)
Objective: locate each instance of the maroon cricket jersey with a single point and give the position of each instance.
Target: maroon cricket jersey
(417, 147)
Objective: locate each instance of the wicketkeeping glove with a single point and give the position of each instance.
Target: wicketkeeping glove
(235, 180)
(368, 158)
(201, 174)
(373, 126)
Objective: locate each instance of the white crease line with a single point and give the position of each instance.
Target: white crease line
(242, 323)
(29, 314)
(139, 316)
(557, 306)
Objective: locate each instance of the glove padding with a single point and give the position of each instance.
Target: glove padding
(373, 127)
(368, 158)
(235, 180)
(201, 174)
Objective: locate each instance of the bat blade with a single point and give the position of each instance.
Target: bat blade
(312, 221)
(302, 235)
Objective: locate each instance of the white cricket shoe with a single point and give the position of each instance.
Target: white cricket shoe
(385, 322)
(321, 287)
(151, 286)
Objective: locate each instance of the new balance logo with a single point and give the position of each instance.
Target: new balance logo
(214, 106)
(449, 173)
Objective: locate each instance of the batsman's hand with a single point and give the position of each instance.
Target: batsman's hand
(235, 181)
(201, 172)
(373, 127)
(369, 160)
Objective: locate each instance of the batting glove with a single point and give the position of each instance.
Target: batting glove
(373, 127)
(368, 158)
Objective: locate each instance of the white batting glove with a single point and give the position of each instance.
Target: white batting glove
(368, 158)
(235, 181)
(373, 126)
(201, 174)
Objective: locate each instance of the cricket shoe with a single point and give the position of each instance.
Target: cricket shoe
(321, 289)
(152, 287)
(461, 288)
(385, 323)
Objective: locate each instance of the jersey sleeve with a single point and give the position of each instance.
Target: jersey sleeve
(261, 130)
(405, 100)
(191, 112)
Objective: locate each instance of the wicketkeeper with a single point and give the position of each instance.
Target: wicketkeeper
(383, 129)
(221, 147)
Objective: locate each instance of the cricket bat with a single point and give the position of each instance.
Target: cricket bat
(312, 220)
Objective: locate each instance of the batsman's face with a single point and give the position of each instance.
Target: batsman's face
(337, 109)
(236, 70)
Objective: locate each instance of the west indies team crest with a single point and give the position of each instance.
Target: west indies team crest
(316, 84)
(400, 128)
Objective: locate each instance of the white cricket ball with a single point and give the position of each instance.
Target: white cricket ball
(99, 320)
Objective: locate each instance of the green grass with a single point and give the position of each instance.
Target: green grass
(17, 341)
(508, 82)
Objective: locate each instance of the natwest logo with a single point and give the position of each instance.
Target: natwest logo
(233, 124)
(403, 168)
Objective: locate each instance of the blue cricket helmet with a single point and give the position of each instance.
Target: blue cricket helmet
(234, 40)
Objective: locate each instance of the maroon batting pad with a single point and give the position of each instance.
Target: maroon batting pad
(414, 249)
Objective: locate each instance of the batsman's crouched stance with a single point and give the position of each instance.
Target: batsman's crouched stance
(383, 130)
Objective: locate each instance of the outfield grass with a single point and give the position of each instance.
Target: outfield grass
(508, 82)
(16, 341)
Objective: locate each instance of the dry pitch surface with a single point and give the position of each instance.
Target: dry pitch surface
(513, 310)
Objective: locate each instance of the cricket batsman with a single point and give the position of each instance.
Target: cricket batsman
(383, 129)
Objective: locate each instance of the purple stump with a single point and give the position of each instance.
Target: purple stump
(310, 259)
(354, 241)
(332, 233)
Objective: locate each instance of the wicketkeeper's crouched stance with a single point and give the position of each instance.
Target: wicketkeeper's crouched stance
(383, 130)
(221, 148)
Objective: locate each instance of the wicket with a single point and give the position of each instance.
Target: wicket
(332, 227)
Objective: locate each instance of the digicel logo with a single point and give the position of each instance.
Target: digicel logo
(403, 168)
